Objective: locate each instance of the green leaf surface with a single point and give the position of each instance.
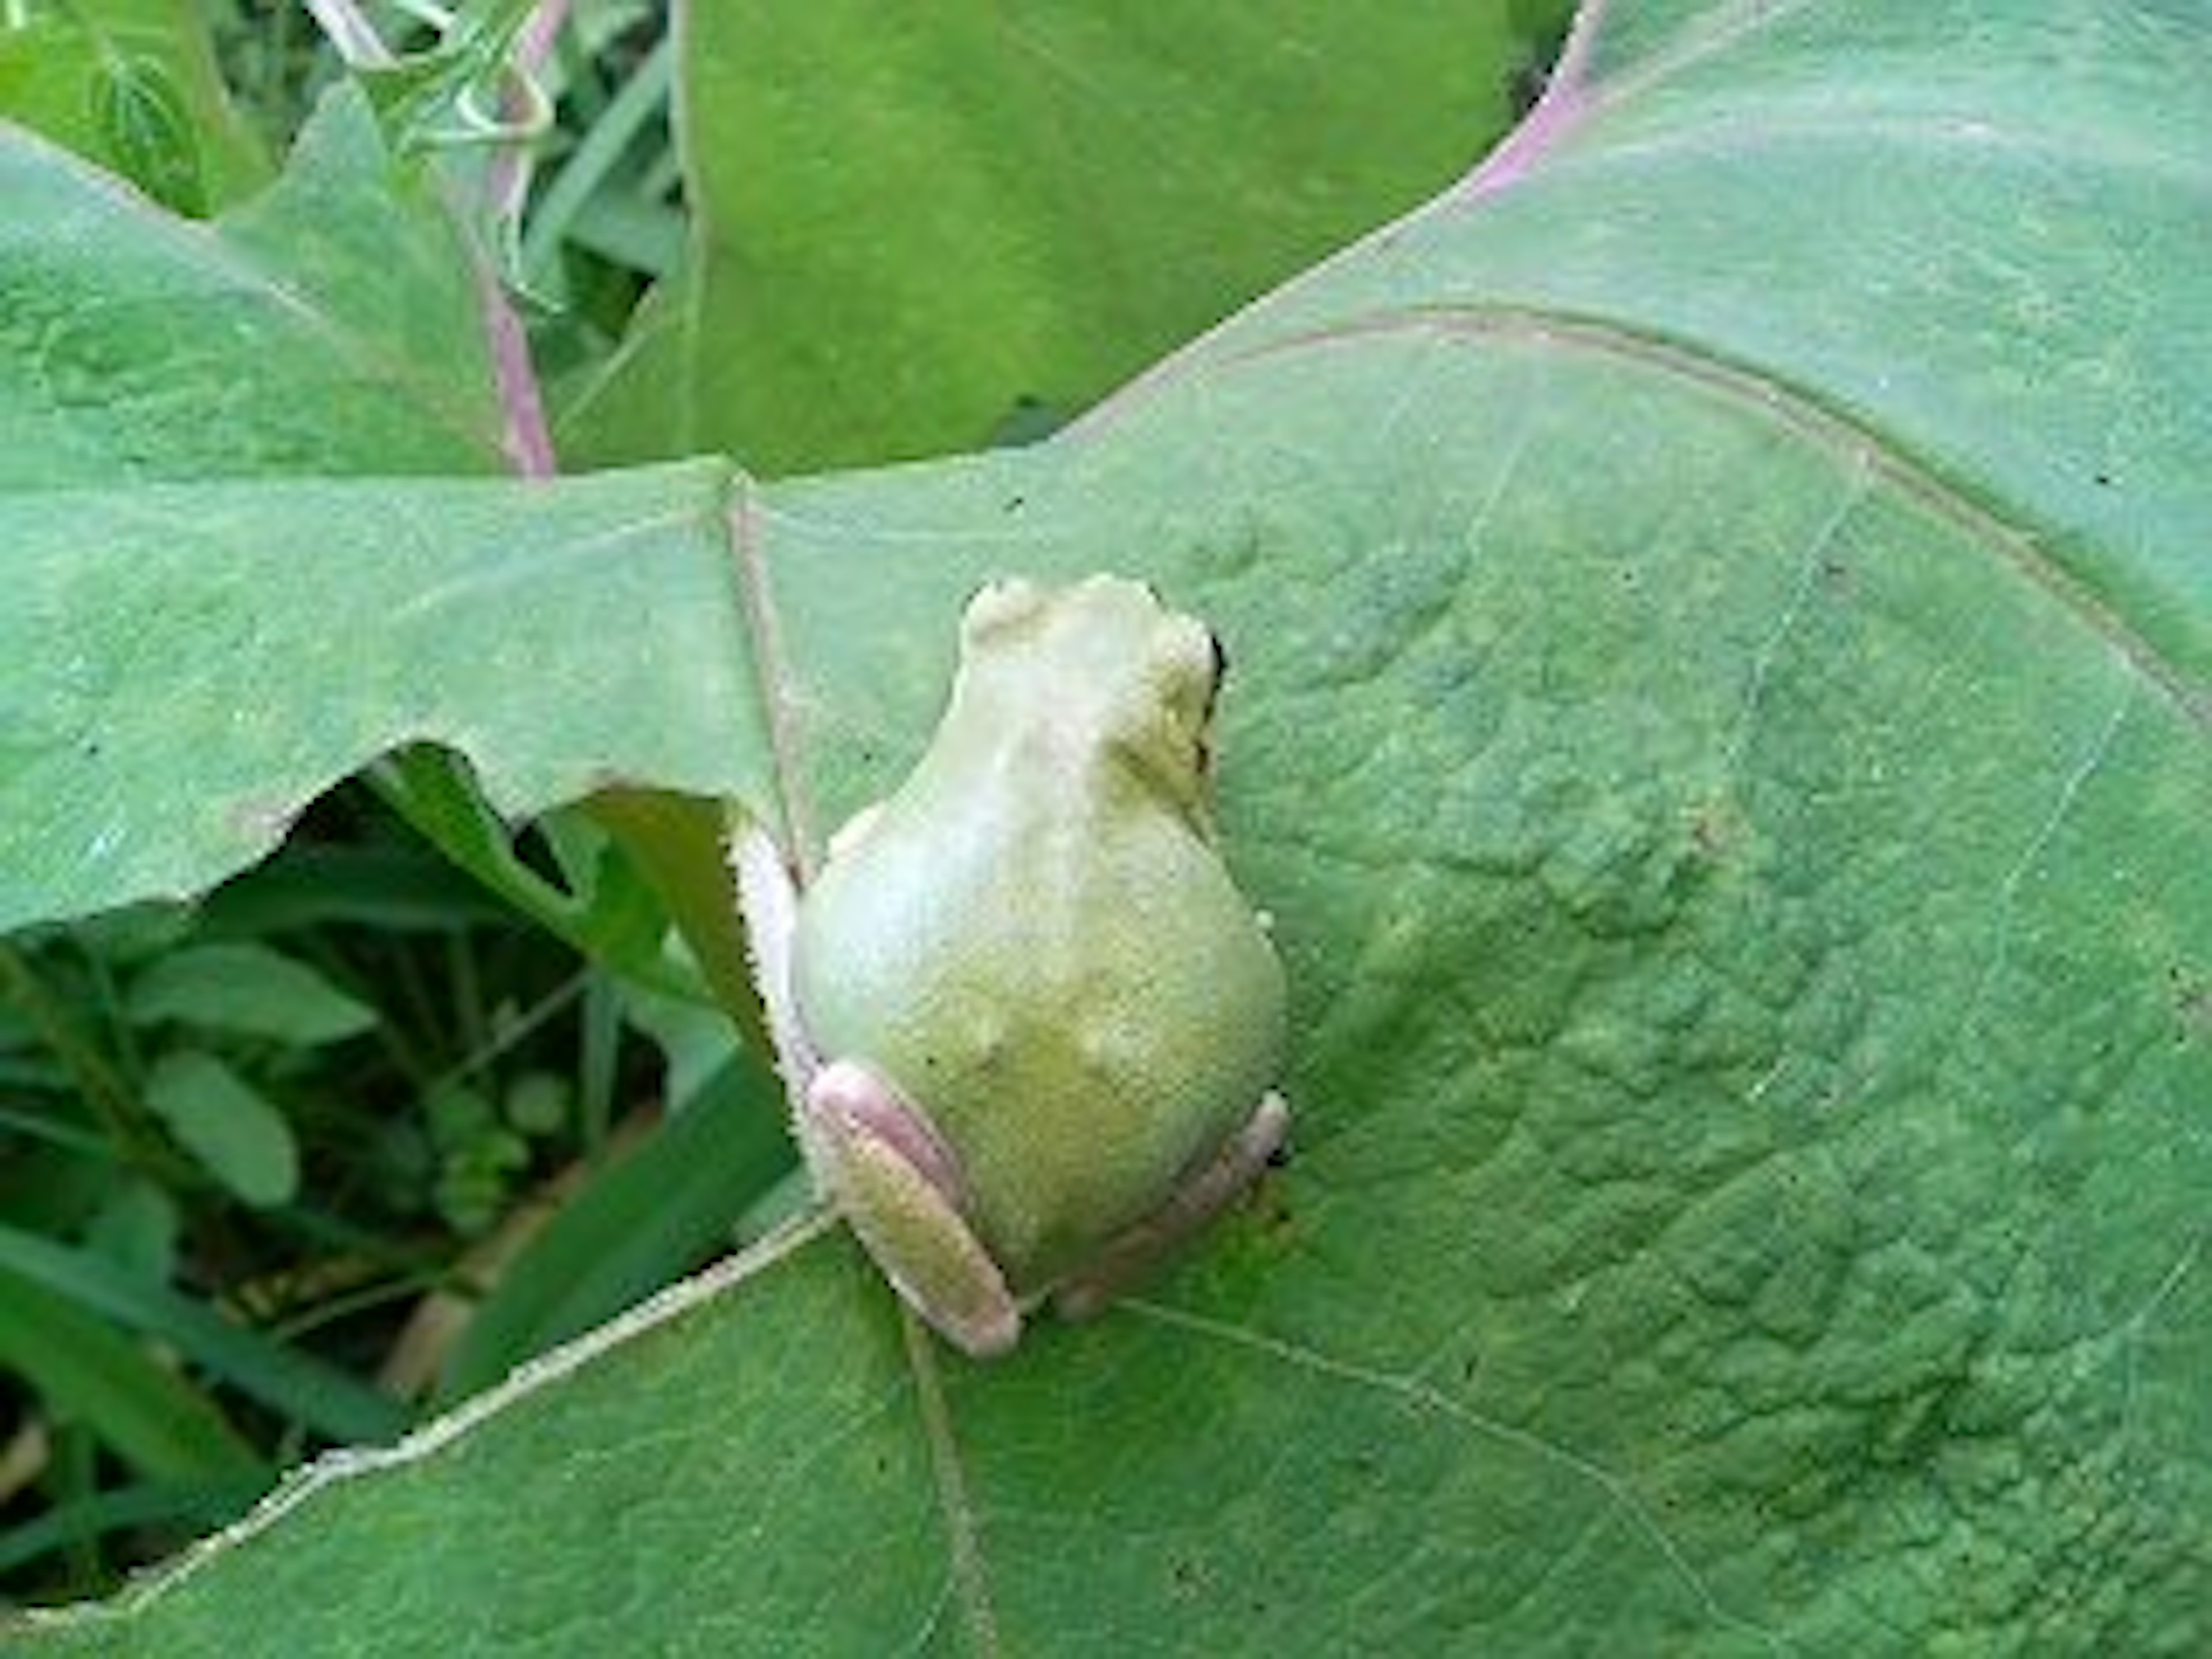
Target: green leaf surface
(124, 783)
(908, 229)
(237, 1133)
(1720, 719)
(246, 988)
(327, 326)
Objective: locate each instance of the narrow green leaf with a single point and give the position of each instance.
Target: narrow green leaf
(235, 1130)
(319, 1396)
(639, 230)
(249, 988)
(596, 170)
(153, 1419)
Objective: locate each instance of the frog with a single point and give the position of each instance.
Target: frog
(1034, 1031)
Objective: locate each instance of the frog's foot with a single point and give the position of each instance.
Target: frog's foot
(1131, 1254)
(882, 1163)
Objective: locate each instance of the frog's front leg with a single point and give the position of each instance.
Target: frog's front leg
(1131, 1254)
(900, 1189)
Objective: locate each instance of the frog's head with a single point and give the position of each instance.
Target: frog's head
(1123, 681)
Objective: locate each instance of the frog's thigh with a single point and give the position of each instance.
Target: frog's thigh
(1217, 1183)
(899, 1196)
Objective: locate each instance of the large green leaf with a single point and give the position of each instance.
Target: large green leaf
(1720, 719)
(913, 233)
(190, 667)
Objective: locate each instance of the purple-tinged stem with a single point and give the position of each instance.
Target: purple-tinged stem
(1566, 100)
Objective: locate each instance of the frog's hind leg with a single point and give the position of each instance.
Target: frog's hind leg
(1133, 1253)
(900, 1188)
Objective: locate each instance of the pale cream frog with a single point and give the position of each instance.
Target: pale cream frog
(1042, 1027)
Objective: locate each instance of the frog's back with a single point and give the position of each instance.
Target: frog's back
(1035, 980)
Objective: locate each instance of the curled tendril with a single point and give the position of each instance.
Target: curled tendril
(467, 90)
(486, 115)
(472, 89)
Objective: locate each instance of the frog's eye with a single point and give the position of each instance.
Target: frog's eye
(1219, 655)
(1162, 735)
(1183, 674)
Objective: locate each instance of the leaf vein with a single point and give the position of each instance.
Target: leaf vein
(1427, 1397)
